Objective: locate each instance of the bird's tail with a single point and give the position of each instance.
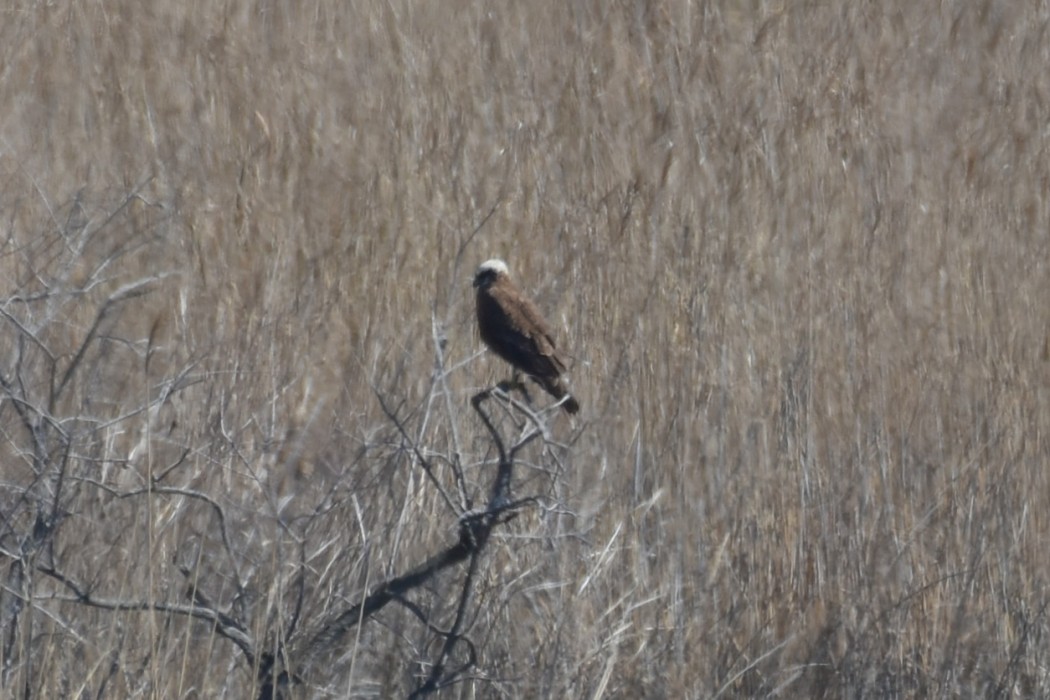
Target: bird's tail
(556, 388)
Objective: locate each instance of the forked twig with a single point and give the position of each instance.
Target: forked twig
(475, 531)
(423, 461)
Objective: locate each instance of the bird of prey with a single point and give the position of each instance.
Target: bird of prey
(512, 327)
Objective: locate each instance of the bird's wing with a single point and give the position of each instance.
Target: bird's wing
(528, 333)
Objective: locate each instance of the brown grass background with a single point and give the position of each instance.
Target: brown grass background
(798, 252)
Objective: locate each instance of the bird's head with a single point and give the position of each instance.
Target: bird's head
(488, 271)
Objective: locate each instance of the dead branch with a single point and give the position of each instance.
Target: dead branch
(423, 461)
(475, 530)
(224, 624)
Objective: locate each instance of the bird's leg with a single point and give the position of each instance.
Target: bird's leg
(516, 383)
(509, 385)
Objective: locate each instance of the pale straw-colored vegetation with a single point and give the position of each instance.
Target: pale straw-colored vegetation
(797, 251)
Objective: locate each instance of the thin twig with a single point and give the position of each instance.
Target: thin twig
(225, 625)
(423, 461)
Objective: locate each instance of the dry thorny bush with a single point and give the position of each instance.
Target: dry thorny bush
(87, 405)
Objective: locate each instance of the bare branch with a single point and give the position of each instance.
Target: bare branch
(442, 379)
(455, 634)
(225, 625)
(128, 291)
(423, 461)
(219, 514)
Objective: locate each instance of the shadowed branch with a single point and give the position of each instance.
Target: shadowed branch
(475, 530)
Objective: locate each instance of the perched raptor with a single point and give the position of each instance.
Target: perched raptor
(513, 328)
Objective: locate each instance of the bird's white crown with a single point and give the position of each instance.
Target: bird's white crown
(495, 265)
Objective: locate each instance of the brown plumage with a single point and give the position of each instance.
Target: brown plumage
(513, 328)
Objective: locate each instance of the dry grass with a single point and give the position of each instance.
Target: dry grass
(799, 252)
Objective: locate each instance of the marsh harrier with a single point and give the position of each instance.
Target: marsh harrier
(512, 327)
